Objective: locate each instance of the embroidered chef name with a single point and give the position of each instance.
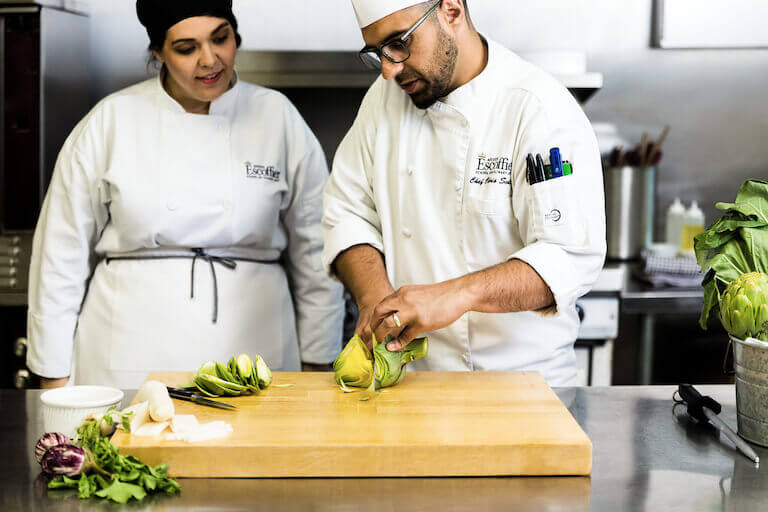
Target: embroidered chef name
(264, 172)
(492, 170)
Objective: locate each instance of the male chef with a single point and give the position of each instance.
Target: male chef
(433, 218)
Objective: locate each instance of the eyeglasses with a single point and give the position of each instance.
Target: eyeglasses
(394, 51)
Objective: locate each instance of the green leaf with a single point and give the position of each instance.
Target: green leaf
(130, 476)
(121, 492)
(84, 488)
(160, 471)
(149, 482)
(751, 201)
(63, 482)
(756, 241)
(102, 482)
(126, 421)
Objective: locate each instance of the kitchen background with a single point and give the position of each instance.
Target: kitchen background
(714, 100)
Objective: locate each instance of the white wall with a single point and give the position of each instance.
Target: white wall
(543, 24)
(118, 46)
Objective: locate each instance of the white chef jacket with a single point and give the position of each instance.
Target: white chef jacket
(139, 176)
(442, 192)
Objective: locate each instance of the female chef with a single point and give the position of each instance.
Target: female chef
(182, 222)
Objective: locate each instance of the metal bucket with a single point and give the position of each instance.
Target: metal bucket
(630, 197)
(750, 359)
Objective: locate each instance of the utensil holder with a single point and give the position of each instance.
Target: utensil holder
(750, 360)
(630, 202)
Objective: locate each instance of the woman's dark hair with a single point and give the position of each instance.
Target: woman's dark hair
(157, 43)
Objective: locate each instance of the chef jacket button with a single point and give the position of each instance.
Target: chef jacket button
(407, 233)
(410, 171)
(226, 205)
(172, 205)
(459, 186)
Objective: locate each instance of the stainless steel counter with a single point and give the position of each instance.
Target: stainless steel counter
(645, 458)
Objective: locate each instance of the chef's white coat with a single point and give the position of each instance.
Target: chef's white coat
(139, 176)
(442, 192)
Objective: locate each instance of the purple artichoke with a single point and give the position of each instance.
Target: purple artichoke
(64, 459)
(47, 441)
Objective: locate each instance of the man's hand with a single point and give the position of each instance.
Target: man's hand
(365, 310)
(46, 383)
(420, 309)
(361, 269)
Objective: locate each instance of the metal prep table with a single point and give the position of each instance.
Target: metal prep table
(644, 459)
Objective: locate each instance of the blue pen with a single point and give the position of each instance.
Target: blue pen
(556, 162)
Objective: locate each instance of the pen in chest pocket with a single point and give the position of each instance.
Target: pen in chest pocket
(537, 171)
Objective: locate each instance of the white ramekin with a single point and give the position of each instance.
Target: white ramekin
(65, 408)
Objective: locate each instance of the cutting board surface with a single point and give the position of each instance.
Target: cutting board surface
(431, 424)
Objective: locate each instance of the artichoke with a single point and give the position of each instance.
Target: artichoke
(354, 366)
(242, 375)
(744, 307)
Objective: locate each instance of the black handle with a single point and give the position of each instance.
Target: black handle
(696, 402)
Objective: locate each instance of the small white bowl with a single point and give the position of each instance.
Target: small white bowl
(64, 409)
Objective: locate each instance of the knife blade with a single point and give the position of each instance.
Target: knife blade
(192, 397)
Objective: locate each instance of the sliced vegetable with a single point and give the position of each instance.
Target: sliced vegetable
(135, 416)
(49, 440)
(160, 404)
(263, 373)
(244, 367)
(240, 376)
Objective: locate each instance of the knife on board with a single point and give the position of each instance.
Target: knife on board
(189, 396)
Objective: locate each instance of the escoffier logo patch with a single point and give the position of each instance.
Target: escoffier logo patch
(263, 172)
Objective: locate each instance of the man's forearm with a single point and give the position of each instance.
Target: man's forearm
(361, 268)
(506, 288)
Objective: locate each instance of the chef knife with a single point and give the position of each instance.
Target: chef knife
(183, 394)
(705, 409)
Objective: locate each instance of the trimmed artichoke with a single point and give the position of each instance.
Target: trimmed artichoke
(354, 366)
(240, 376)
(744, 307)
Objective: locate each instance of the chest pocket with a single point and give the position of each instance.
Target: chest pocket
(553, 211)
(490, 230)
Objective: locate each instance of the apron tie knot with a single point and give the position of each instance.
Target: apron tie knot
(226, 262)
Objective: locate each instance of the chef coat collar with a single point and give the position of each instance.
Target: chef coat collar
(224, 105)
(477, 88)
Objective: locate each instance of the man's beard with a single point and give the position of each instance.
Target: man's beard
(439, 84)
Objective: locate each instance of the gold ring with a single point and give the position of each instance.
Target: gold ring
(397, 320)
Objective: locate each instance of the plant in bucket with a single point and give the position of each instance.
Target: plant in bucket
(733, 252)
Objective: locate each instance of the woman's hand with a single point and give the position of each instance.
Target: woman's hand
(46, 383)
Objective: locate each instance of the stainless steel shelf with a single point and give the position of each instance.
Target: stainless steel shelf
(291, 69)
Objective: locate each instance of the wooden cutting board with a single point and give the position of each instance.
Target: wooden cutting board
(431, 424)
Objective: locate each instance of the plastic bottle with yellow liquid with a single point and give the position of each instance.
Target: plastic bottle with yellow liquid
(693, 224)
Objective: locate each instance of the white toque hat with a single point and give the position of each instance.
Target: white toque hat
(371, 11)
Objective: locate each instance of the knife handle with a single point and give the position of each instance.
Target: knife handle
(696, 402)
